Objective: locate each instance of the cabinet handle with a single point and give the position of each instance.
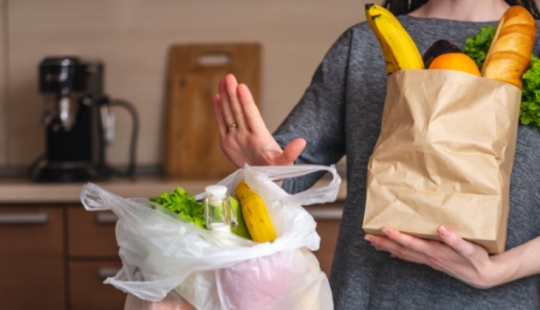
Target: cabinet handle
(326, 213)
(106, 218)
(24, 218)
(107, 272)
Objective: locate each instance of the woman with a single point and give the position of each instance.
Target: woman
(340, 114)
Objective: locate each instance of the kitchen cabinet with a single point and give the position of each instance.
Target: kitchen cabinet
(58, 255)
(92, 257)
(86, 288)
(91, 234)
(32, 253)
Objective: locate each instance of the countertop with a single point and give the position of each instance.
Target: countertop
(21, 191)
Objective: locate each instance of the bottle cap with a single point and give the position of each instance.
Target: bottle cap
(216, 191)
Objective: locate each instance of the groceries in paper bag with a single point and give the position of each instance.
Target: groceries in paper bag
(449, 127)
(243, 244)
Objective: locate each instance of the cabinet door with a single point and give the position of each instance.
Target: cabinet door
(32, 258)
(328, 218)
(87, 289)
(91, 234)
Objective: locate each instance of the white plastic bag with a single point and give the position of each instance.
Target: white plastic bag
(161, 253)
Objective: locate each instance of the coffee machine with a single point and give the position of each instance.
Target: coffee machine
(78, 122)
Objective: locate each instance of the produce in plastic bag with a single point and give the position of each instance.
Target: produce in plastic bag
(162, 253)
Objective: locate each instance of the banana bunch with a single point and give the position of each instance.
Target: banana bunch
(255, 214)
(399, 50)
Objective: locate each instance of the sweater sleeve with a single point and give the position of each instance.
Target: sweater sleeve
(319, 115)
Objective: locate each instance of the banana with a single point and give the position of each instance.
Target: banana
(399, 50)
(255, 214)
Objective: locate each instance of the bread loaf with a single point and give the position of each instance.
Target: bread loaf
(510, 51)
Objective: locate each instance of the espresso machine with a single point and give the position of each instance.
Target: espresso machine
(78, 123)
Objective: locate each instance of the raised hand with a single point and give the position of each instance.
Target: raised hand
(243, 135)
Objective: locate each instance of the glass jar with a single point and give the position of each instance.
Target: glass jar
(218, 210)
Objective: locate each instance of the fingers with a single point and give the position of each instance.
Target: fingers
(448, 236)
(232, 110)
(237, 110)
(432, 251)
(411, 248)
(252, 113)
(407, 241)
(462, 247)
(396, 249)
(410, 258)
(456, 257)
(225, 105)
(291, 152)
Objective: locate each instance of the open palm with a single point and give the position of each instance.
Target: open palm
(243, 135)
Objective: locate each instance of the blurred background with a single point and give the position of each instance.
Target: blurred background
(69, 69)
(132, 39)
(145, 54)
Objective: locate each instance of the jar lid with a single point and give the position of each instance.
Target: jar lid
(216, 191)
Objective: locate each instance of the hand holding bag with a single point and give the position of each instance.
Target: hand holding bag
(444, 156)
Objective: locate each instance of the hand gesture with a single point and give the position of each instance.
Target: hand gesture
(459, 258)
(243, 135)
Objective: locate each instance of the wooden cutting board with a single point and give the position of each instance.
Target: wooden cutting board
(192, 147)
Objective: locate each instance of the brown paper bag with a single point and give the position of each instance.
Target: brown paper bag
(444, 156)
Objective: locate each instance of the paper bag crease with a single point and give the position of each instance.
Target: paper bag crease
(444, 156)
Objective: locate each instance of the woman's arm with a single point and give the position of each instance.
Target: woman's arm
(461, 259)
(313, 133)
(319, 116)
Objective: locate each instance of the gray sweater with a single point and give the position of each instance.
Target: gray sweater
(340, 114)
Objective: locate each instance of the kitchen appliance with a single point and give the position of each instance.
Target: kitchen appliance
(78, 122)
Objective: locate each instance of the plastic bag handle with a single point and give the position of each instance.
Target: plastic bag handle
(91, 198)
(310, 196)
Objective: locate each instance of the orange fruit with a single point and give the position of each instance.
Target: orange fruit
(455, 61)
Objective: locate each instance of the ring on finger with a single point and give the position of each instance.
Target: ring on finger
(232, 125)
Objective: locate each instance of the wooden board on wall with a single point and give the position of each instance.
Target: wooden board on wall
(192, 147)
(3, 103)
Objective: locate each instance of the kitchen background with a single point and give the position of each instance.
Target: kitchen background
(132, 38)
(50, 245)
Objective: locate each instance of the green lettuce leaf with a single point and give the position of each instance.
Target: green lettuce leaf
(181, 203)
(478, 46)
(529, 114)
(530, 98)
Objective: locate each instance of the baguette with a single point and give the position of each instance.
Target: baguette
(510, 51)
